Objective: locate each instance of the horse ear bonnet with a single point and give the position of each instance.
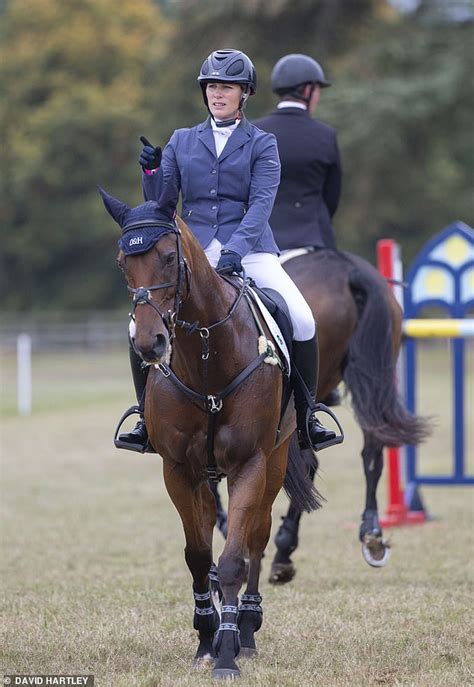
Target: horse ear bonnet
(142, 226)
(145, 225)
(114, 207)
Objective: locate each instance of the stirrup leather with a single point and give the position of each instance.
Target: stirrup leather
(133, 410)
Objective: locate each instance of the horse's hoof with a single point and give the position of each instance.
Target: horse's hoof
(375, 550)
(225, 673)
(247, 652)
(281, 573)
(203, 662)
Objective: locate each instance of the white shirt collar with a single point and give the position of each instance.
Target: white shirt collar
(226, 130)
(291, 103)
(222, 134)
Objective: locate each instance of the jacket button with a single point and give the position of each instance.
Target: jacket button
(297, 204)
(213, 191)
(214, 207)
(214, 226)
(214, 171)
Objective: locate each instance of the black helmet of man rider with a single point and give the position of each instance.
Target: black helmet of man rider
(229, 66)
(292, 72)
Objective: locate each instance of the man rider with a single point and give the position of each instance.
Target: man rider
(311, 174)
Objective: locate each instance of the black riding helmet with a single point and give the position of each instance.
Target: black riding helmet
(228, 66)
(291, 72)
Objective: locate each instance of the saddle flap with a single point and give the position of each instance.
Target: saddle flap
(274, 311)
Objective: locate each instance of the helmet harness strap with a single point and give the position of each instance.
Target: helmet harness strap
(298, 92)
(243, 100)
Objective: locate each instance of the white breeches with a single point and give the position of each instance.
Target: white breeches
(266, 271)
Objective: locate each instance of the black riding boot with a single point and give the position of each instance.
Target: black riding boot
(306, 360)
(137, 439)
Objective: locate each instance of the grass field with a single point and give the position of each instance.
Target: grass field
(94, 577)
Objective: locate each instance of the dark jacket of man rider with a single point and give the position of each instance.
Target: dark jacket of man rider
(311, 173)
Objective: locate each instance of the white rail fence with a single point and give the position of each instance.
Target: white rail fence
(39, 333)
(50, 332)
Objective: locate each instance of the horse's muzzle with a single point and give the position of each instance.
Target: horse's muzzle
(155, 351)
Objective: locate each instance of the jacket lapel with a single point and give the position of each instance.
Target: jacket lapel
(239, 137)
(206, 136)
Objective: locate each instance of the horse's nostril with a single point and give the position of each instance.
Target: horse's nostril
(160, 346)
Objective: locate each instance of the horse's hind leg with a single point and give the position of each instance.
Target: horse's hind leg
(221, 515)
(286, 542)
(375, 549)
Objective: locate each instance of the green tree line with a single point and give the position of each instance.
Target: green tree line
(82, 80)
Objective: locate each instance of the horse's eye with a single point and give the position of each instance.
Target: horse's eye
(170, 258)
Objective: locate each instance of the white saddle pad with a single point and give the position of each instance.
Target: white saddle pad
(291, 253)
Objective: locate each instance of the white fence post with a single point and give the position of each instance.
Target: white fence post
(23, 351)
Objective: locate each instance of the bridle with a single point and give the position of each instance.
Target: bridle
(143, 294)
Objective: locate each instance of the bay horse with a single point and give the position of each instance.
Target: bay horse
(212, 407)
(360, 327)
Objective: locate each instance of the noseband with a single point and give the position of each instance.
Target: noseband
(143, 294)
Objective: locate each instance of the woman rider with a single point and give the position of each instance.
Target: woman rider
(228, 173)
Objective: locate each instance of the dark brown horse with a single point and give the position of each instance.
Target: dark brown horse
(214, 408)
(359, 325)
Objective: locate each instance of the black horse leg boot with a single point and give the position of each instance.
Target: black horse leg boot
(306, 360)
(137, 439)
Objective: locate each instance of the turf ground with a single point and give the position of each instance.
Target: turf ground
(94, 578)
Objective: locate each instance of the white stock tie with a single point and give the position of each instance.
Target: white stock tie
(222, 135)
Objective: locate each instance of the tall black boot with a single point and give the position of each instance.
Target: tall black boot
(306, 360)
(137, 439)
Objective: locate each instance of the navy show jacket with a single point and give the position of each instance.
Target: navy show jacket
(229, 198)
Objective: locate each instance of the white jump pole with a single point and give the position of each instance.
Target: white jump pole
(23, 352)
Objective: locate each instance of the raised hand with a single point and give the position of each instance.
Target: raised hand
(150, 157)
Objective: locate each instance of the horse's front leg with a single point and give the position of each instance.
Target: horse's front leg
(246, 485)
(375, 549)
(250, 609)
(196, 507)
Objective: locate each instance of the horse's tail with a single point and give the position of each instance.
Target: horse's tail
(298, 484)
(369, 371)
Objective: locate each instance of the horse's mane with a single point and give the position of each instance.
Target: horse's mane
(188, 237)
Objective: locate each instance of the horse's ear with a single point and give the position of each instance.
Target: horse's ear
(114, 207)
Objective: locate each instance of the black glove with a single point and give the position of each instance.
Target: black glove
(229, 262)
(150, 157)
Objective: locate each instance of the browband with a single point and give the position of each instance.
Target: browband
(148, 223)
